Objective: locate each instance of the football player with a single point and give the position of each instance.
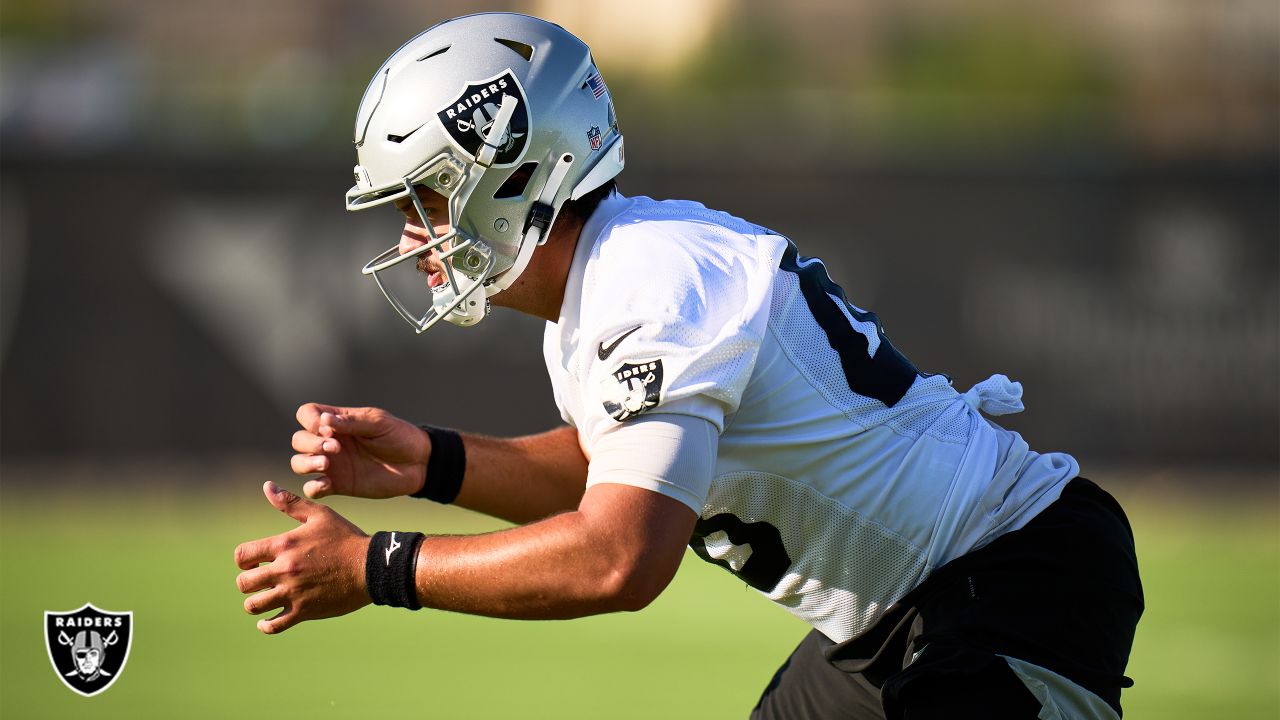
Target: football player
(719, 391)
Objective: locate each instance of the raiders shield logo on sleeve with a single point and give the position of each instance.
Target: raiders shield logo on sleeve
(88, 647)
(632, 389)
(469, 118)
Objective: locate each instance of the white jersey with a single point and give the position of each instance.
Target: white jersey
(843, 475)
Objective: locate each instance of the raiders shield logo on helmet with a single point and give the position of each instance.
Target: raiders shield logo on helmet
(632, 389)
(469, 118)
(88, 647)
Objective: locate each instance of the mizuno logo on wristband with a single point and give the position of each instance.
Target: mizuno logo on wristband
(392, 548)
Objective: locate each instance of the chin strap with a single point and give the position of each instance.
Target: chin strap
(537, 227)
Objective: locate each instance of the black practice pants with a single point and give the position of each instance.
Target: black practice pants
(1060, 594)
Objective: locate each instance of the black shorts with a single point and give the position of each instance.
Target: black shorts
(1044, 615)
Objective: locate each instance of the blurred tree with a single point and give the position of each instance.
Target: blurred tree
(987, 79)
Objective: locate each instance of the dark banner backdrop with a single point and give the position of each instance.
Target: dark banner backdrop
(161, 306)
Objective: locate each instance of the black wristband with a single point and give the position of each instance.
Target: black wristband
(390, 567)
(446, 467)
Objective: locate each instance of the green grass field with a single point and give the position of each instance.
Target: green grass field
(1209, 646)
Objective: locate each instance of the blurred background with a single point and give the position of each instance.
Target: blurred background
(1084, 196)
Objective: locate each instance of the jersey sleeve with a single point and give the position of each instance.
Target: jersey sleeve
(672, 455)
(673, 318)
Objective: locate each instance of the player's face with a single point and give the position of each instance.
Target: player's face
(415, 235)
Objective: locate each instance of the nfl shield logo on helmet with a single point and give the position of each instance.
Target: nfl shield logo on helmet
(469, 118)
(594, 136)
(88, 647)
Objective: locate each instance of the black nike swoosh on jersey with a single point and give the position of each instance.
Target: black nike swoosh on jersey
(606, 350)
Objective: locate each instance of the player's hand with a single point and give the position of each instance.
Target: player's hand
(365, 452)
(314, 571)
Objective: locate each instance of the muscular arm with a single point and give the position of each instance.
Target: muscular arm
(368, 452)
(617, 551)
(525, 478)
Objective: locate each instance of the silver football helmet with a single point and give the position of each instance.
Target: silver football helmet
(504, 115)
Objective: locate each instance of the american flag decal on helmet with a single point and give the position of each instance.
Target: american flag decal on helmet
(596, 83)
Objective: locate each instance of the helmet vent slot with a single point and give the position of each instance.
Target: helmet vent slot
(517, 182)
(434, 53)
(525, 51)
